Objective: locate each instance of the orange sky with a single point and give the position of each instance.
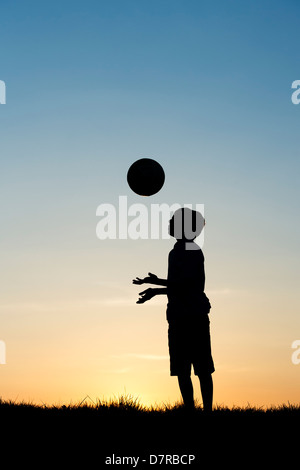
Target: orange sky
(205, 89)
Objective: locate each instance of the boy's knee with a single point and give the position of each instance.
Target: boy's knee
(205, 376)
(184, 376)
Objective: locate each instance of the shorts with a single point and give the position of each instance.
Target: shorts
(189, 344)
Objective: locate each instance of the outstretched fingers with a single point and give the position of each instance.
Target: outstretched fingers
(137, 280)
(145, 295)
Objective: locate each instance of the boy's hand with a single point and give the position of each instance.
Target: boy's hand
(146, 295)
(150, 279)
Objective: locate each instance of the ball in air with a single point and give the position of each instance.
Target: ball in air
(146, 177)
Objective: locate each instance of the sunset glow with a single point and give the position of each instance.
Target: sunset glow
(203, 88)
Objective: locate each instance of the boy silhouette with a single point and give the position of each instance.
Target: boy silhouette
(187, 308)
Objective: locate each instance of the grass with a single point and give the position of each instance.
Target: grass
(123, 426)
(128, 404)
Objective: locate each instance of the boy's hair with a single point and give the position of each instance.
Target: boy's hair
(186, 224)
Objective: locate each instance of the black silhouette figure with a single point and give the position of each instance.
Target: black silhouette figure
(187, 309)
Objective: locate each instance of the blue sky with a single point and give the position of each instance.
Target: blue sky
(204, 87)
(206, 84)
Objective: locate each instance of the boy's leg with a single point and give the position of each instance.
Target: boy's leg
(206, 385)
(186, 388)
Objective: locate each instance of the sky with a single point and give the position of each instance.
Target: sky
(205, 89)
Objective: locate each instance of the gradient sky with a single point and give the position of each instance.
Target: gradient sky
(203, 87)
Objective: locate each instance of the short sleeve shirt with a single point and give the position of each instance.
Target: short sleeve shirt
(186, 281)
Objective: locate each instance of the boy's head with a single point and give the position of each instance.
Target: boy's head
(186, 224)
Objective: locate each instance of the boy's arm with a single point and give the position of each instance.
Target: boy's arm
(151, 279)
(149, 293)
(160, 290)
